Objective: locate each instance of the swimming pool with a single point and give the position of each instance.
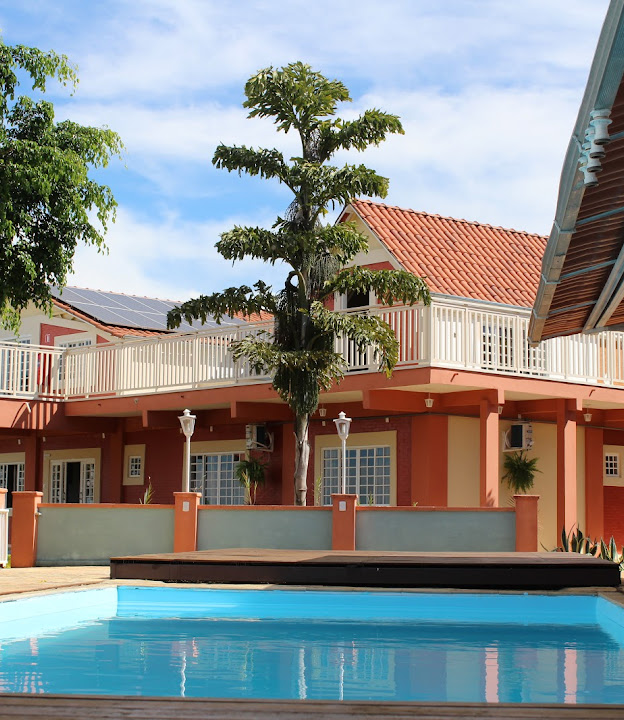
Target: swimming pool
(274, 643)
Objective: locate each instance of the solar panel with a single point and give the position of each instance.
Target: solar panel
(128, 310)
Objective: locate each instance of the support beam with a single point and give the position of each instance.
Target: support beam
(471, 398)
(32, 466)
(395, 401)
(488, 454)
(594, 492)
(566, 465)
(112, 467)
(260, 412)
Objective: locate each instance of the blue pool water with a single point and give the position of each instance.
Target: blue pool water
(316, 645)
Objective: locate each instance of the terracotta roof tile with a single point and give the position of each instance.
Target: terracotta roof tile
(459, 257)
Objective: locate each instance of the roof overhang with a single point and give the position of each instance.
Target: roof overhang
(581, 286)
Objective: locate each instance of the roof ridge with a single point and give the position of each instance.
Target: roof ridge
(448, 217)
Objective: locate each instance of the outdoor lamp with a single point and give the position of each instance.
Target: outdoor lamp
(587, 416)
(428, 401)
(343, 423)
(187, 421)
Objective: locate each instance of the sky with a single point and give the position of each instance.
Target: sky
(487, 91)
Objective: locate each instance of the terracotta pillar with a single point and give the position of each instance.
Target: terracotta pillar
(3, 497)
(112, 467)
(288, 464)
(24, 528)
(488, 455)
(566, 465)
(429, 460)
(594, 490)
(32, 465)
(526, 523)
(343, 521)
(185, 521)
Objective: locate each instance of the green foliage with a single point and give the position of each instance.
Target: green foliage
(575, 541)
(299, 352)
(46, 194)
(148, 495)
(520, 471)
(250, 473)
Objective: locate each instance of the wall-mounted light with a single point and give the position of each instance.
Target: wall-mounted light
(587, 416)
(387, 419)
(322, 411)
(500, 409)
(211, 428)
(429, 401)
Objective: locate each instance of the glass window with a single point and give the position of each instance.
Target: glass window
(612, 465)
(212, 475)
(367, 471)
(135, 463)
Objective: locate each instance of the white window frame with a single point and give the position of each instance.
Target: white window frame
(222, 488)
(135, 466)
(358, 460)
(4, 475)
(612, 466)
(58, 480)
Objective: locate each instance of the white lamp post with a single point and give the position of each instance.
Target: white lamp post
(188, 427)
(343, 424)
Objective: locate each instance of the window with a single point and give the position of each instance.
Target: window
(368, 474)
(135, 463)
(11, 479)
(72, 481)
(212, 475)
(612, 465)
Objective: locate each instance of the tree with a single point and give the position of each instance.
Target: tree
(46, 194)
(300, 350)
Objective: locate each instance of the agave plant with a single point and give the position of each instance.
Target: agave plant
(575, 541)
(520, 471)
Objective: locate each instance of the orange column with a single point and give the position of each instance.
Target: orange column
(430, 460)
(566, 465)
(3, 496)
(288, 464)
(526, 523)
(185, 521)
(488, 456)
(31, 466)
(24, 528)
(343, 522)
(594, 491)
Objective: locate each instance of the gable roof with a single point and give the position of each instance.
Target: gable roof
(123, 315)
(458, 257)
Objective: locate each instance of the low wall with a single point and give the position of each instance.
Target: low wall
(264, 526)
(73, 534)
(436, 530)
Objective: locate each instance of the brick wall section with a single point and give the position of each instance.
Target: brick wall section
(614, 514)
(402, 426)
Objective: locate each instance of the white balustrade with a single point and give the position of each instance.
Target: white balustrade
(447, 334)
(4, 537)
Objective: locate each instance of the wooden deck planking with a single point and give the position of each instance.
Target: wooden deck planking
(53, 707)
(495, 571)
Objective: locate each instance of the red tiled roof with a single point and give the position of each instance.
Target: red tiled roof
(458, 257)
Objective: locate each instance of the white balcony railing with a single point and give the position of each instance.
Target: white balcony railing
(446, 334)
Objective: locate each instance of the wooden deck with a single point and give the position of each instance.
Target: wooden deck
(41, 707)
(494, 571)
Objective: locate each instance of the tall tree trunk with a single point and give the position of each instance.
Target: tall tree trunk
(302, 458)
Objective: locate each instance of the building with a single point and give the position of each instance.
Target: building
(91, 395)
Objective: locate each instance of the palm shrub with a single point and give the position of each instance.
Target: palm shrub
(250, 473)
(520, 471)
(300, 351)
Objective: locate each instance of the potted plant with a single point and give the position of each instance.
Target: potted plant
(520, 471)
(250, 473)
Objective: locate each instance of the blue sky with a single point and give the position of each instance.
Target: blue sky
(488, 92)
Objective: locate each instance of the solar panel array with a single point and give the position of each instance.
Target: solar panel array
(127, 310)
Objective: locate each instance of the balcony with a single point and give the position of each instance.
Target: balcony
(447, 334)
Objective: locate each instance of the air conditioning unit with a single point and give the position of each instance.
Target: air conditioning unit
(519, 437)
(258, 438)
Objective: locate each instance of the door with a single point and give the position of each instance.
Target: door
(72, 481)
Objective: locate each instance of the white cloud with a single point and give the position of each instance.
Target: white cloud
(166, 257)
